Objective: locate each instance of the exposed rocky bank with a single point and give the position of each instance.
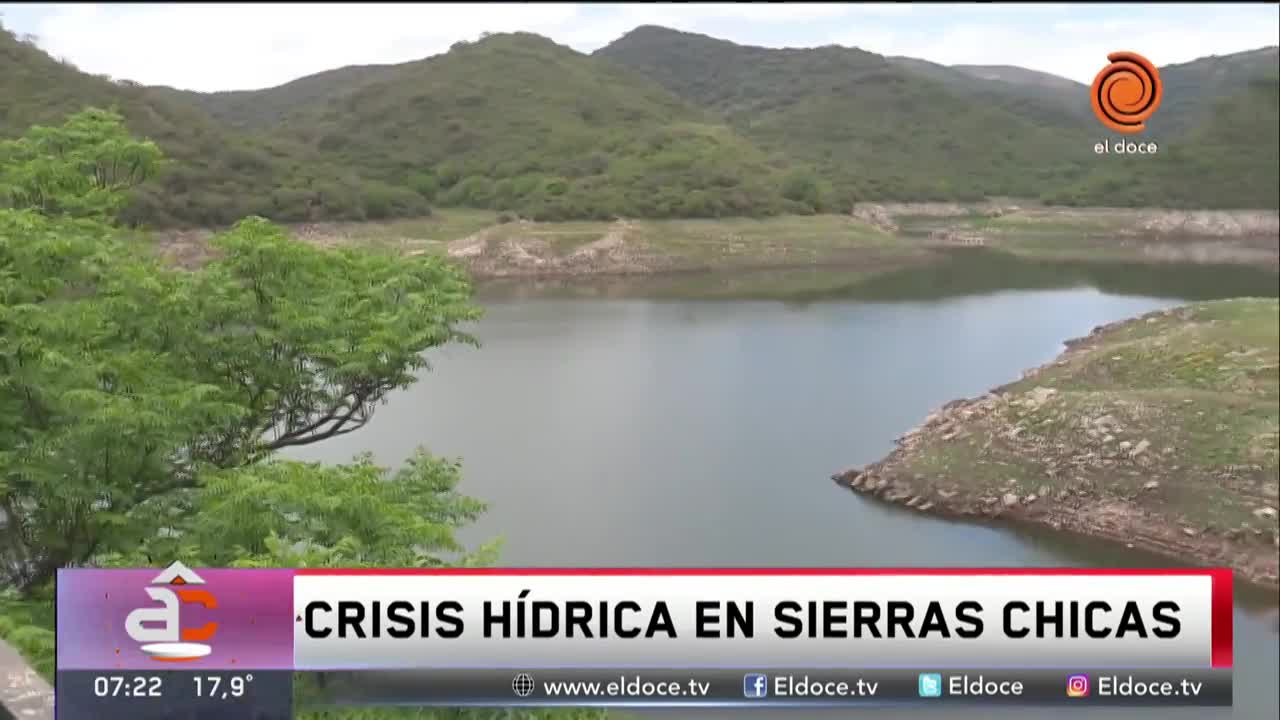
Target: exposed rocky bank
(879, 235)
(1178, 457)
(870, 236)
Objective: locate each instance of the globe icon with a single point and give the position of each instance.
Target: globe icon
(522, 685)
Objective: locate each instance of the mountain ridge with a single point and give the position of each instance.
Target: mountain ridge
(659, 123)
(217, 173)
(988, 113)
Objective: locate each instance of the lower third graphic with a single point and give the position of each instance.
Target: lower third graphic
(755, 685)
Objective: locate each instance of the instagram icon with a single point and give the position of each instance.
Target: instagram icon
(1077, 686)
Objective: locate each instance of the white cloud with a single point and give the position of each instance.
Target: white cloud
(769, 12)
(1072, 49)
(220, 47)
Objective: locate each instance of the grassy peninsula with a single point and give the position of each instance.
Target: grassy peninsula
(1159, 432)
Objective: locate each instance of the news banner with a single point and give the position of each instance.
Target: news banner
(238, 643)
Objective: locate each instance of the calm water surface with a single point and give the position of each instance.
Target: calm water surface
(652, 432)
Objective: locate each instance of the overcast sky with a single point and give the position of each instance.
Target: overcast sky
(226, 47)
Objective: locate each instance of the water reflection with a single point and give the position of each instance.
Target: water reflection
(955, 273)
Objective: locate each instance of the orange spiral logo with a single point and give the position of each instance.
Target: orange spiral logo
(1126, 92)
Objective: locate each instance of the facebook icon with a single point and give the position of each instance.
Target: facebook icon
(755, 685)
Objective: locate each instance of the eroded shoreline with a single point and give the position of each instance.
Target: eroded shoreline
(1087, 444)
(875, 237)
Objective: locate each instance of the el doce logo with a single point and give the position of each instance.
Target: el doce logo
(1126, 92)
(165, 639)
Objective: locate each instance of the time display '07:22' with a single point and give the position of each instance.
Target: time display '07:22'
(134, 686)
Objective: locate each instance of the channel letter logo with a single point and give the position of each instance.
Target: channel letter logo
(159, 629)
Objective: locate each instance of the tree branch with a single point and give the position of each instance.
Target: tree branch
(308, 434)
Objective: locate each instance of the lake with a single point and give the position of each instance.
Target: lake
(641, 429)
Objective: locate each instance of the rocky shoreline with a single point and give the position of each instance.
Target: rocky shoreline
(1112, 482)
(633, 247)
(869, 234)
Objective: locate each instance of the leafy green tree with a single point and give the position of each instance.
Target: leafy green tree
(140, 405)
(79, 169)
(125, 382)
(297, 514)
(143, 406)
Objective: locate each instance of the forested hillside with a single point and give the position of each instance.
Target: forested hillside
(1194, 91)
(902, 128)
(215, 173)
(659, 123)
(1230, 160)
(1040, 97)
(875, 128)
(517, 122)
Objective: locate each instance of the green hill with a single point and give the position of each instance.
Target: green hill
(659, 123)
(1194, 91)
(257, 109)
(1228, 161)
(1036, 96)
(517, 122)
(216, 174)
(877, 129)
(902, 128)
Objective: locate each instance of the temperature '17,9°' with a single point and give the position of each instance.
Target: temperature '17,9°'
(220, 687)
